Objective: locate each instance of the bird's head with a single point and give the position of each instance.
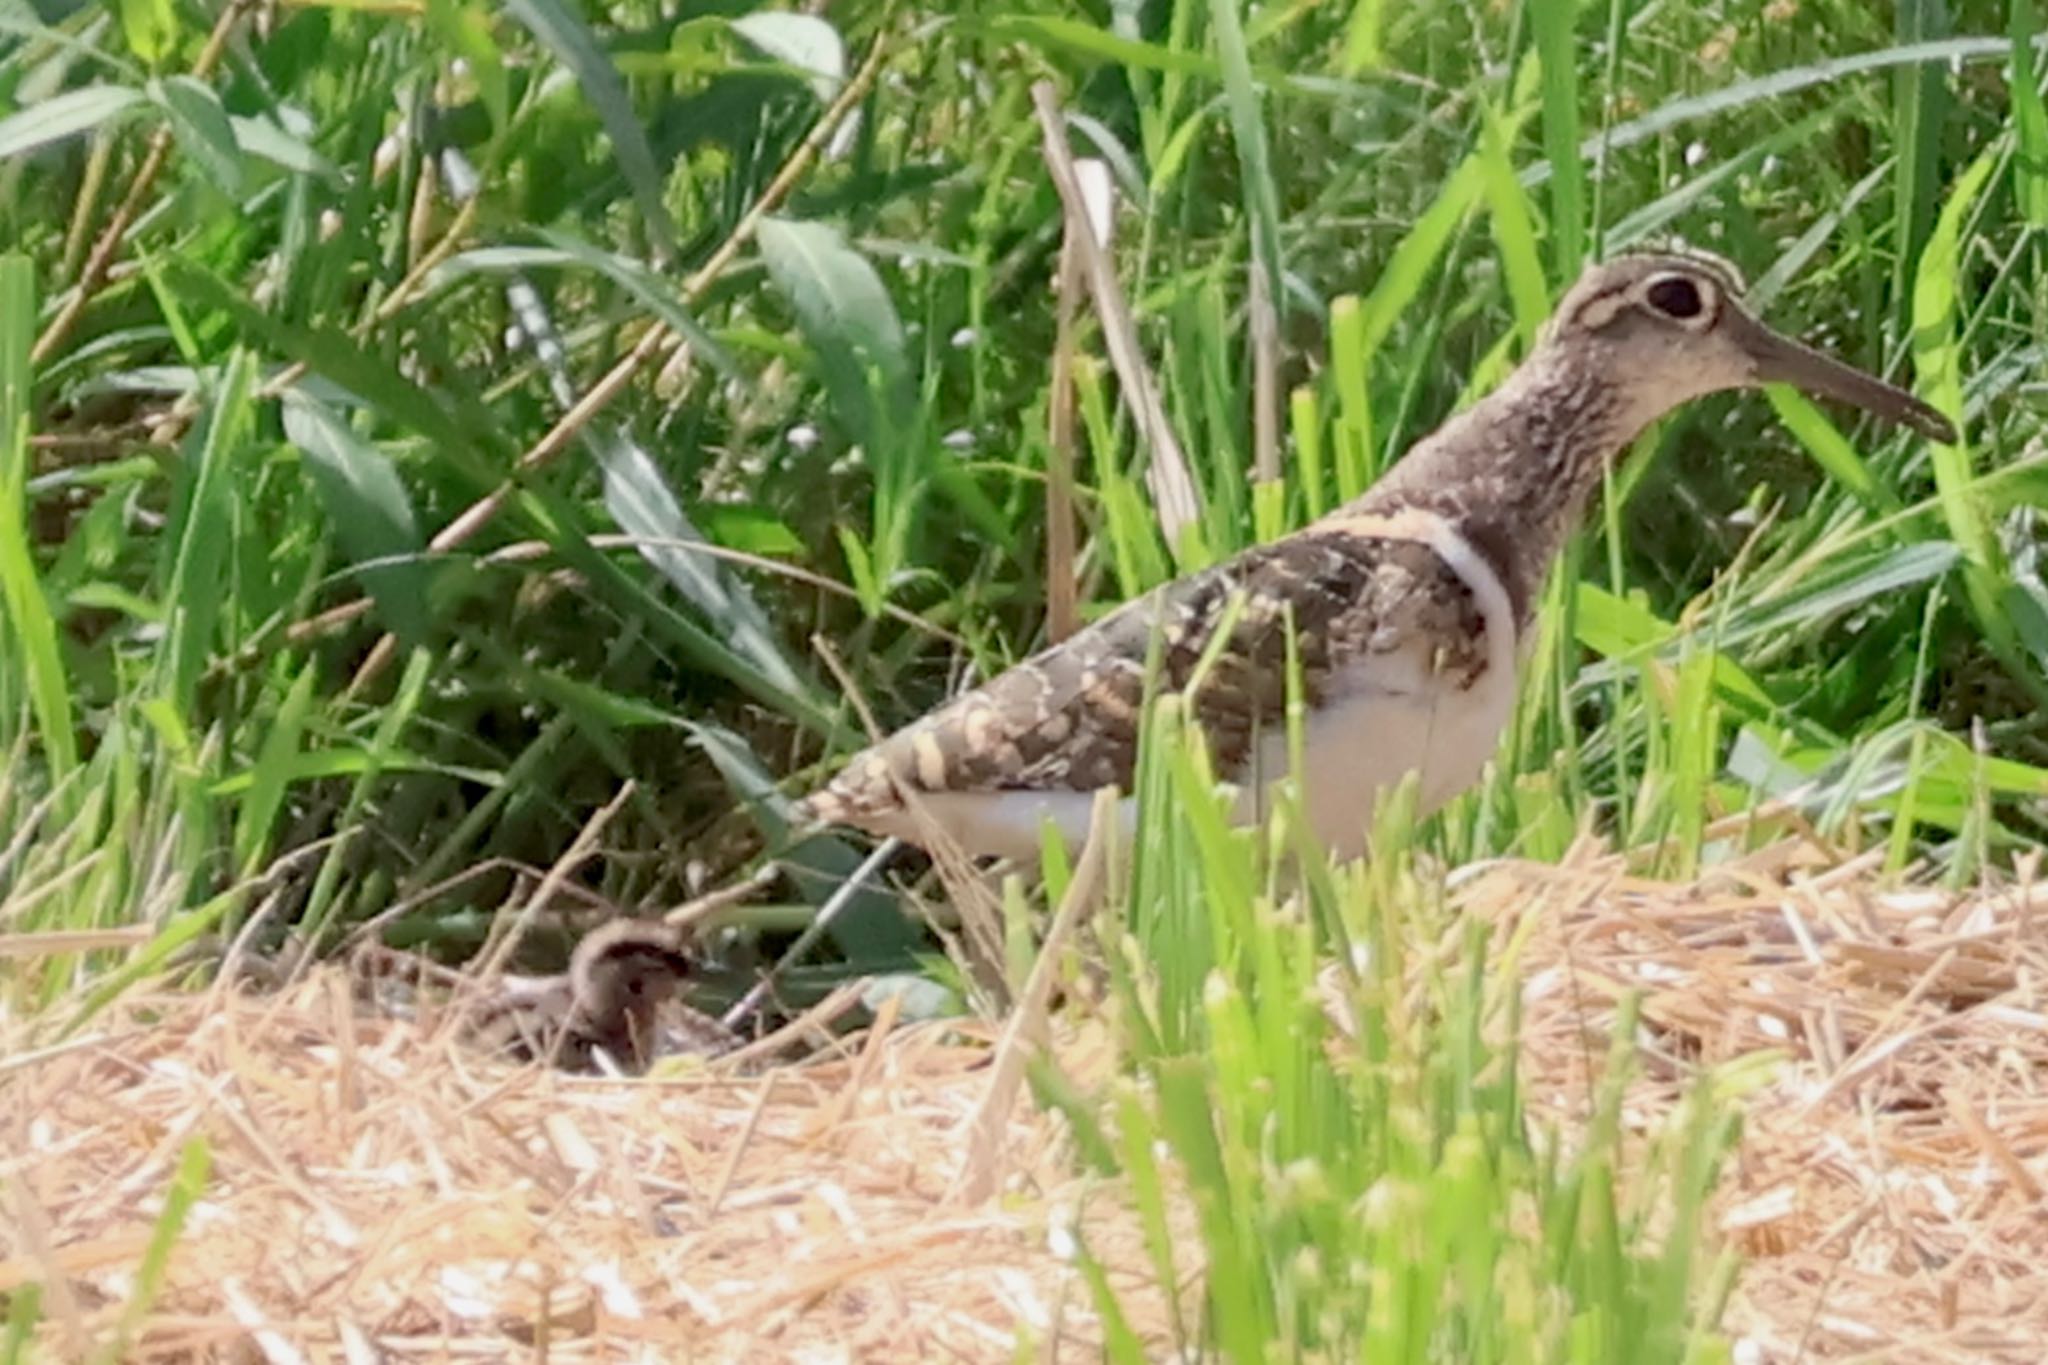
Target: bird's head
(1665, 328)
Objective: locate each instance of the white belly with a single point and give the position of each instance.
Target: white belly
(1387, 720)
(1383, 717)
(1002, 824)
(1386, 716)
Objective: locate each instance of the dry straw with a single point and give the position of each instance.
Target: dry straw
(379, 1192)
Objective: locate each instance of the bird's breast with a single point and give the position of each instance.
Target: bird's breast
(1384, 718)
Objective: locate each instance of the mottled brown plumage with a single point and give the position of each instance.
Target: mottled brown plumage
(622, 978)
(1068, 718)
(1408, 605)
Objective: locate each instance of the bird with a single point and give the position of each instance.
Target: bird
(608, 1002)
(1410, 607)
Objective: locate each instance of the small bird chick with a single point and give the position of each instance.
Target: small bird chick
(608, 1002)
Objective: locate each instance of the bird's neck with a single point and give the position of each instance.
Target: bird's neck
(1513, 472)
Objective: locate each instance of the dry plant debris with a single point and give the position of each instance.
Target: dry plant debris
(380, 1193)
(1888, 1191)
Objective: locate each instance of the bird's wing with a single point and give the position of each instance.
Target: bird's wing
(1067, 719)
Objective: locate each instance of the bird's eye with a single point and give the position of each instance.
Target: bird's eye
(1675, 297)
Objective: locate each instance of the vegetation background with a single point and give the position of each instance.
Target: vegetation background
(363, 530)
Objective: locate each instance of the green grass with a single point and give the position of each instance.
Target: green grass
(312, 598)
(1327, 1070)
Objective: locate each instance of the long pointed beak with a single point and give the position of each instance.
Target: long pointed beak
(1781, 360)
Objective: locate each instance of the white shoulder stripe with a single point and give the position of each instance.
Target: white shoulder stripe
(1424, 527)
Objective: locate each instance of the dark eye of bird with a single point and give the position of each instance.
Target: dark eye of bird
(1675, 297)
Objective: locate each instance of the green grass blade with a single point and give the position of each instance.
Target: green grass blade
(202, 539)
(640, 500)
(2029, 116)
(1514, 231)
(272, 773)
(75, 112)
(465, 435)
(1937, 347)
(1920, 103)
(369, 509)
(200, 123)
(188, 1182)
(1248, 130)
(1831, 450)
(646, 286)
(1555, 22)
(29, 622)
(1736, 95)
(563, 32)
(24, 1311)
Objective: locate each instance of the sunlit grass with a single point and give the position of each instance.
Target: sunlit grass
(1322, 1085)
(259, 662)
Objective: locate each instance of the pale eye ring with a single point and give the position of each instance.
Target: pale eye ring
(1676, 297)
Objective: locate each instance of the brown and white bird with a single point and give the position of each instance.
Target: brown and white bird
(622, 979)
(1410, 606)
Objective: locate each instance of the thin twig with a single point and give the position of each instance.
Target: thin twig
(109, 244)
(1166, 472)
(1024, 1032)
(689, 915)
(657, 339)
(1265, 335)
(492, 960)
(834, 904)
(170, 429)
(1062, 607)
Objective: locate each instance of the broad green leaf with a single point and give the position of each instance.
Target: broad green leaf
(848, 318)
(802, 41)
(202, 129)
(63, 116)
(565, 34)
(749, 528)
(151, 28)
(368, 508)
(262, 136)
(643, 506)
(1362, 49)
